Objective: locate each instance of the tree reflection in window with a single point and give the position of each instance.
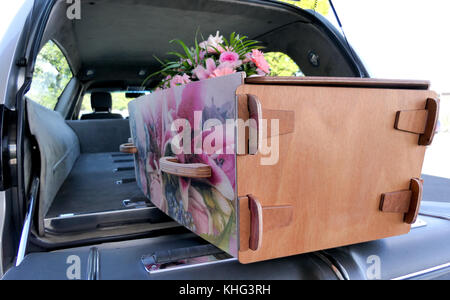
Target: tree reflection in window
(51, 75)
(282, 65)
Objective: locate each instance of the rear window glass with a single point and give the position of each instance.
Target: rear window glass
(282, 65)
(119, 104)
(51, 75)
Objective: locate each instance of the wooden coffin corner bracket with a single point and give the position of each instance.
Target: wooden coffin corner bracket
(250, 108)
(406, 202)
(256, 219)
(422, 122)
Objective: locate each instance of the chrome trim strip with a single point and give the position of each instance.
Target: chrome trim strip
(185, 267)
(2, 228)
(93, 267)
(418, 224)
(121, 155)
(27, 224)
(113, 212)
(125, 180)
(339, 270)
(442, 217)
(72, 223)
(423, 272)
(123, 169)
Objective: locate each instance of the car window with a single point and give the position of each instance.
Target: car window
(282, 65)
(51, 75)
(119, 104)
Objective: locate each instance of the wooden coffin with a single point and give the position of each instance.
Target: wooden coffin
(322, 162)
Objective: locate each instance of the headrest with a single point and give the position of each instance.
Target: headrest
(101, 101)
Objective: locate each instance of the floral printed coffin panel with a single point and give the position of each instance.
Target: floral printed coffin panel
(206, 206)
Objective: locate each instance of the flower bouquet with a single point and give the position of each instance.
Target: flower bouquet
(214, 57)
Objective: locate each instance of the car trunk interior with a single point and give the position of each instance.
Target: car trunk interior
(87, 187)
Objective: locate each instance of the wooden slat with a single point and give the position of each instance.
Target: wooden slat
(244, 224)
(243, 134)
(396, 202)
(413, 121)
(417, 190)
(170, 165)
(286, 120)
(430, 129)
(273, 218)
(276, 217)
(128, 148)
(256, 223)
(342, 82)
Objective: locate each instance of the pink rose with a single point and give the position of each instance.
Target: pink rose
(180, 80)
(201, 73)
(230, 57)
(260, 61)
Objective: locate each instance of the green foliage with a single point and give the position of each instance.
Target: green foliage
(51, 75)
(321, 6)
(120, 102)
(282, 65)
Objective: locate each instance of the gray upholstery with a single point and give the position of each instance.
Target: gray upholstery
(59, 149)
(98, 136)
(101, 116)
(91, 186)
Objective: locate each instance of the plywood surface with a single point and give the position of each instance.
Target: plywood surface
(341, 155)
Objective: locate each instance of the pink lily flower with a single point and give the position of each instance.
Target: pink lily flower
(201, 73)
(222, 72)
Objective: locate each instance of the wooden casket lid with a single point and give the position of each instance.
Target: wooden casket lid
(342, 82)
